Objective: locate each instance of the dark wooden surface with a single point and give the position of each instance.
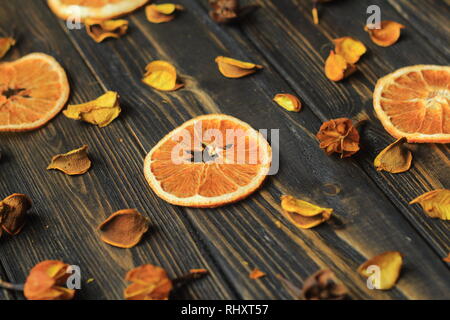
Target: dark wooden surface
(229, 241)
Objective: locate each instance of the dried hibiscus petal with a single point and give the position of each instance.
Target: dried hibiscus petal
(337, 68)
(395, 158)
(303, 214)
(74, 162)
(323, 285)
(13, 211)
(388, 264)
(256, 274)
(46, 281)
(232, 68)
(5, 45)
(149, 282)
(161, 75)
(101, 111)
(339, 136)
(350, 49)
(436, 203)
(387, 35)
(99, 30)
(288, 102)
(159, 13)
(124, 228)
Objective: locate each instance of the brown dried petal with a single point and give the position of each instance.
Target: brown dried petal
(436, 203)
(13, 211)
(389, 264)
(339, 136)
(99, 30)
(256, 274)
(74, 162)
(124, 228)
(395, 158)
(232, 68)
(5, 45)
(149, 282)
(224, 11)
(323, 285)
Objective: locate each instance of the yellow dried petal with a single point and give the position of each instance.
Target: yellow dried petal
(350, 48)
(159, 13)
(161, 75)
(288, 102)
(388, 34)
(232, 68)
(383, 269)
(337, 68)
(101, 111)
(5, 45)
(74, 162)
(395, 158)
(436, 203)
(303, 214)
(99, 30)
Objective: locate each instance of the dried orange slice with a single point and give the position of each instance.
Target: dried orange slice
(33, 90)
(95, 9)
(208, 161)
(414, 102)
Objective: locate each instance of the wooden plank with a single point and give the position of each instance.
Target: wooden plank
(246, 231)
(297, 48)
(66, 210)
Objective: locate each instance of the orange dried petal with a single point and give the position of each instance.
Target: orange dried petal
(13, 211)
(389, 264)
(288, 102)
(161, 75)
(447, 258)
(395, 158)
(388, 34)
(99, 30)
(337, 68)
(232, 68)
(256, 274)
(159, 13)
(436, 203)
(5, 45)
(74, 162)
(149, 282)
(201, 271)
(302, 214)
(124, 228)
(349, 48)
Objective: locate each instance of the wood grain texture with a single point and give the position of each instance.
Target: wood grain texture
(232, 240)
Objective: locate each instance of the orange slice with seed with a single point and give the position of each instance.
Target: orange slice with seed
(414, 102)
(33, 90)
(209, 161)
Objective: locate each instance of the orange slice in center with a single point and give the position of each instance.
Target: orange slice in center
(414, 102)
(33, 90)
(209, 161)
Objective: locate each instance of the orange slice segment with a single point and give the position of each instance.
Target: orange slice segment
(208, 161)
(95, 9)
(33, 90)
(414, 102)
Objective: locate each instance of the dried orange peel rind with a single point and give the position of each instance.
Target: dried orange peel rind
(161, 75)
(436, 203)
(232, 68)
(388, 34)
(149, 282)
(100, 30)
(5, 45)
(160, 13)
(350, 49)
(413, 102)
(389, 265)
(124, 228)
(74, 162)
(395, 158)
(302, 214)
(101, 111)
(288, 102)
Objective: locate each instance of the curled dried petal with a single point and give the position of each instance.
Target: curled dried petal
(46, 281)
(224, 11)
(323, 285)
(288, 102)
(350, 49)
(159, 13)
(13, 211)
(395, 158)
(99, 30)
(232, 68)
(302, 214)
(124, 228)
(387, 35)
(339, 136)
(161, 75)
(256, 274)
(337, 68)
(436, 203)
(5, 45)
(383, 270)
(149, 282)
(101, 111)
(74, 162)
